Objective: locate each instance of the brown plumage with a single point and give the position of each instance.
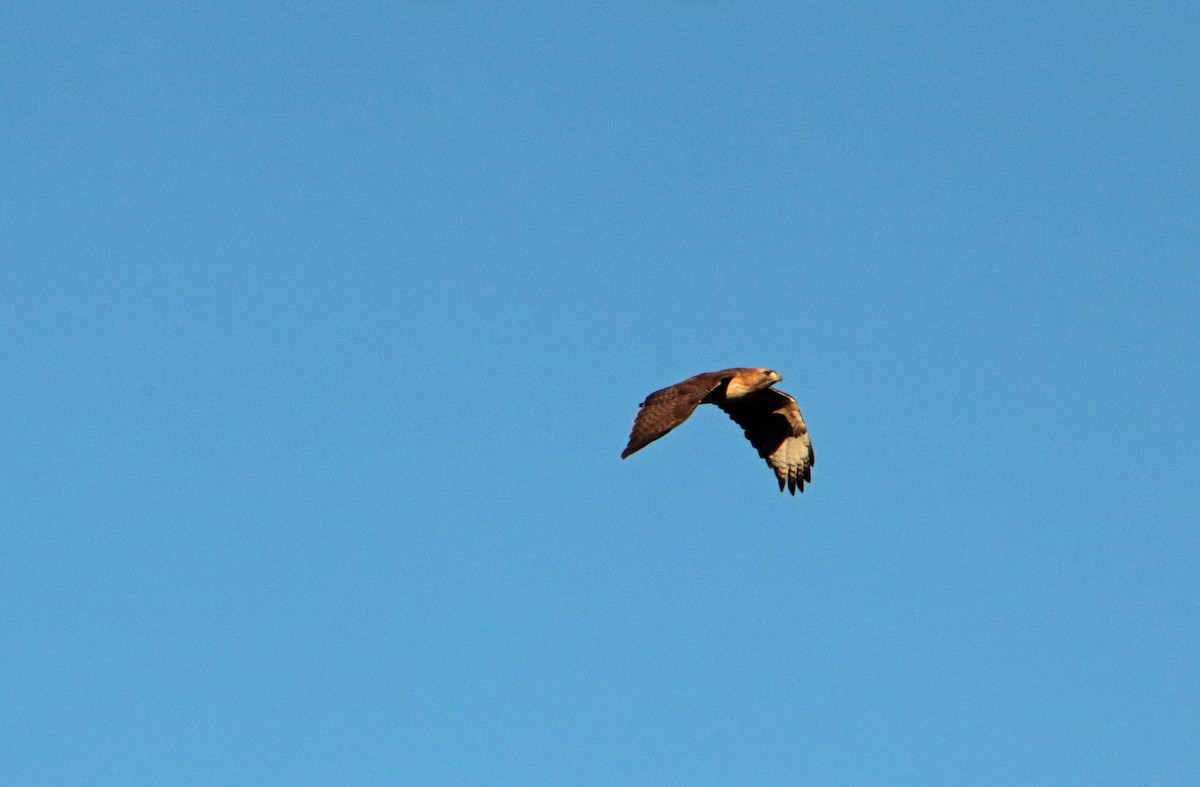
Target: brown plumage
(770, 418)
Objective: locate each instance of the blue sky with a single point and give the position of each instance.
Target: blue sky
(324, 326)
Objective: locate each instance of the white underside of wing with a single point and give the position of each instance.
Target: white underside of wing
(790, 459)
(792, 452)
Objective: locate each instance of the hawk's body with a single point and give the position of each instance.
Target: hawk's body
(770, 418)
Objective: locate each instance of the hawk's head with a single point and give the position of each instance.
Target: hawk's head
(746, 381)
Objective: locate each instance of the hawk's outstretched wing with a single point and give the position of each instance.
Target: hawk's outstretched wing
(774, 426)
(664, 410)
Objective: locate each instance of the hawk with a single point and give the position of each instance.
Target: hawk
(770, 418)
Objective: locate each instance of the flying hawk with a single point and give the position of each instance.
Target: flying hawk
(770, 418)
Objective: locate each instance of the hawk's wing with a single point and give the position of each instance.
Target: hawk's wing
(774, 426)
(666, 409)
